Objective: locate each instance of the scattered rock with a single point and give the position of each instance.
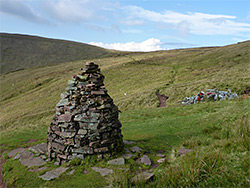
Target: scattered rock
(125, 169)
(144, 160)
(128, 155)
(39, 148)
(144, 176)
(71, 172)
(135, 149)
(85, 171)
(38, 169)
(128, 142)
(161, 155)
(161, 160)
(24, 155)
(118, 161)
(15, 151)
(29, 162)
(127, 150)
(182, 151)
(50, 175)
(162, 99)
(102, 171)
(154, 166)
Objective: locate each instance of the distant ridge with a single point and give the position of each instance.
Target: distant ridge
(24, 51)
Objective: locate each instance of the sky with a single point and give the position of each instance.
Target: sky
(131, 25)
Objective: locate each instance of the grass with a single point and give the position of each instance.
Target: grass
(217, 131)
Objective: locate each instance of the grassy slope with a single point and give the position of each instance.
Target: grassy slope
(218, 130)
(24, 51)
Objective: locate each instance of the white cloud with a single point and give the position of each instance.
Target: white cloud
(195, 23)
(151, 44)
(78, 11)
(21, 10)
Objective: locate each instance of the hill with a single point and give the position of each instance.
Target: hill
(218, 132)
(24, 51)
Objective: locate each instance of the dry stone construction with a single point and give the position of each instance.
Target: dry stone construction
(86, 120)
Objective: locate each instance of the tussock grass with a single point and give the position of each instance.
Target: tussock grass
(218, 132)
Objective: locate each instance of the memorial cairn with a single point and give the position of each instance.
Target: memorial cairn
(86, 120)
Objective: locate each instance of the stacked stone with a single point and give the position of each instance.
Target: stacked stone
(86, 120)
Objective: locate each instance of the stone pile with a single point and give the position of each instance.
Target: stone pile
(86, 120)
(212, 94)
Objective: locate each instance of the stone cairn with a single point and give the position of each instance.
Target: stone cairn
(86, 120)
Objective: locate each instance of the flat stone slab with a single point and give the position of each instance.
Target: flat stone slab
(39, 148)
(15, 151)
(118, 161)
(128, 142)
(38, 169)
(102, 171)
(161, 160)
(183, 151)
(135, 149)
(71, 172)
(29, 162)
(50, 175)
(128, 155)
(144, 176)
(161, 155)
(144, 160)
(24, 155)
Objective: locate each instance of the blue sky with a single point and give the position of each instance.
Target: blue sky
(133, 25)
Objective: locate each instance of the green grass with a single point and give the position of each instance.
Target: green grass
(217, 131)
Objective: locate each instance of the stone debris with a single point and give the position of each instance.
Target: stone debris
(128, 142)
(15, 151)
(144, 160)
(135, 149)
(38, 169)
(39, 148)
(161, 160)
(126, 150)
(53, 174)
(144, 176)
(128, 155)
(182, 151)
(86, 120)
(160, 155)
(71, 172)
(118, 161)
(29, 162)
(102, 171)
(85, 171)
(212, 94)
(24, 155)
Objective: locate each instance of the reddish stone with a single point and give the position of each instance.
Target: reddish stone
(65, 118)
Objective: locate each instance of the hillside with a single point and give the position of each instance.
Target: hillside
(217, 131)
(24, 51)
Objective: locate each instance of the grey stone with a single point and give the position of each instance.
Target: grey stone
(128, 142)
(127, 150)
(63, 102)
(38, 169)
(161, 160)
(128, 155)
(24, 155)
(118, 161)
(135, 149)
(144, 176)
(39, 148)
(161, 155)
(29, 162)
(71, 172)
(50, 175)
(15, 151)
(182, 151)
(102, 171)
(144, 160)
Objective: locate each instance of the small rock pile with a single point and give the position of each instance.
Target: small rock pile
(86, 120)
